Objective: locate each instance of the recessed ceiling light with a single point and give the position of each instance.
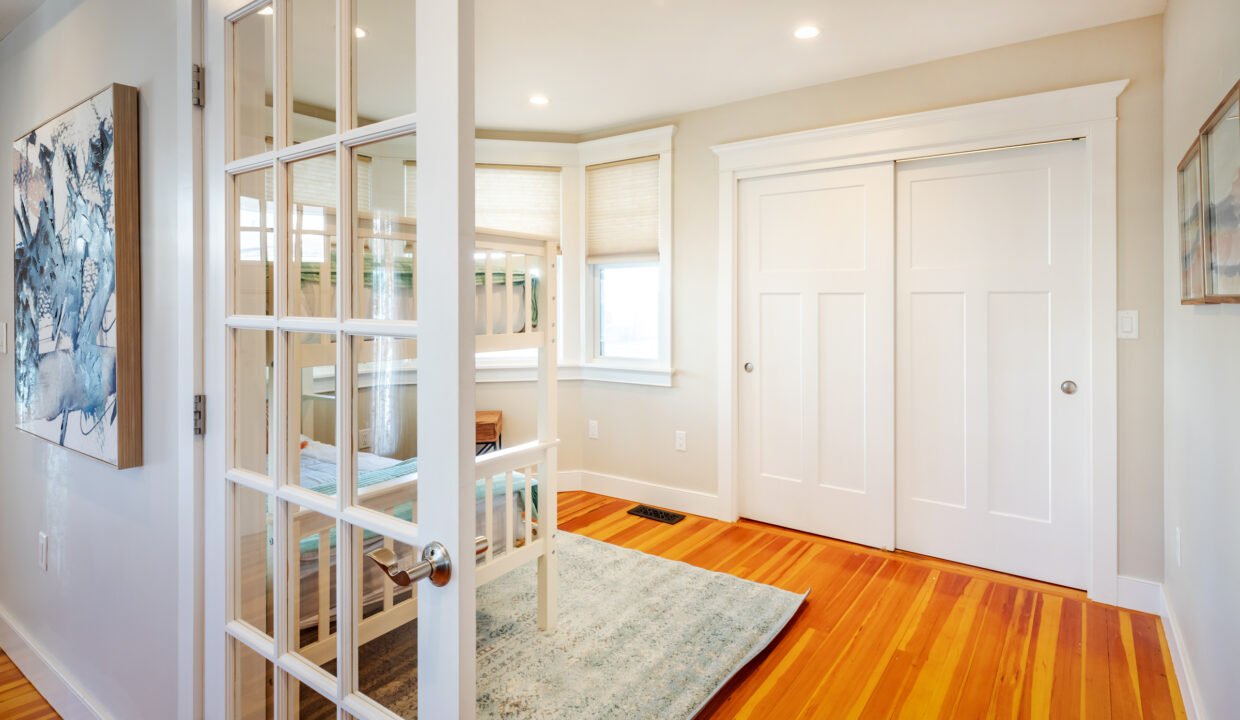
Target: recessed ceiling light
(359, 32)
(806, 32)
(267, 11)
(539, 100)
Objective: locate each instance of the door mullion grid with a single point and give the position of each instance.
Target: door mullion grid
(281, 104)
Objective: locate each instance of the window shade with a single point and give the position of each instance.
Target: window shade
(315, 182)
(507, 197)
(622, 210)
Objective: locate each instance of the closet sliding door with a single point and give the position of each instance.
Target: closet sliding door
(993, 360)
(816, 314)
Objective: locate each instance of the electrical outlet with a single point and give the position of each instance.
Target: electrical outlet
(4, 338)
(43, 551)
(592, 430)
(1179, 549)
(365, 438)
(680, 441)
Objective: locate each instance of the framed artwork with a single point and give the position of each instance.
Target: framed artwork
(1192, 249)
(1220, 172)
(77, 310)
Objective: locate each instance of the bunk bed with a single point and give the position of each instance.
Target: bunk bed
(515, 487)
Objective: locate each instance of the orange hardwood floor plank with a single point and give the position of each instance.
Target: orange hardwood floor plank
(18, 698)
(887, 634)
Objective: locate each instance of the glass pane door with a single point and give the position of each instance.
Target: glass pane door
(314, 344)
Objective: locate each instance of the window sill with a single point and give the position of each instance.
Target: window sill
(661, 377)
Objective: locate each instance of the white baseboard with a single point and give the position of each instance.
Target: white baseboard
(693, 502)
(570, 480)
(1183, 666)
(1138, 594)
(43, 672)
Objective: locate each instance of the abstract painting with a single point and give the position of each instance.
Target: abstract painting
(1221, 191)
(1192, 252)
(77, 309)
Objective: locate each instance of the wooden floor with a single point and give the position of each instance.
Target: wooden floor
(899, 635)
(882, 634)
(18, 698)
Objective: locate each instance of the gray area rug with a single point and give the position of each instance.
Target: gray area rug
(639, 637)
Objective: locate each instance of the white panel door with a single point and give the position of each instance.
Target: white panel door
(816, 351)
(992, 283)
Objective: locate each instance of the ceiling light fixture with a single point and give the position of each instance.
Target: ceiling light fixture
(539, 100)
(359, 32)
(806, 32)
(267, 11)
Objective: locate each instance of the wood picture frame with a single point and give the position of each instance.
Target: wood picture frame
(1191, 227)
(77, 284)
(1220, 192)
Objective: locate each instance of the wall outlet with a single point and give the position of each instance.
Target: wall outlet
(592, 430)
(681, 441)
(1179, 549)
(365, 438)
(4, 338)
(43, 551)
(1128, 325)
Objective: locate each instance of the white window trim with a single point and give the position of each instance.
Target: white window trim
(659, 371)
(578, 361)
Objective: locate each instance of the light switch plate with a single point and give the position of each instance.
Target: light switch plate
(4, 338)
(1128, 325)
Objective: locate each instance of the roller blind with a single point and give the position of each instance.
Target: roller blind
(515, 198)
(622, 210)
(314, 182)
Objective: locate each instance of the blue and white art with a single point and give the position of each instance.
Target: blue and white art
(67, 338)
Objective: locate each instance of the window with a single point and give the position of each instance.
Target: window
(624, 226)
(628, 311)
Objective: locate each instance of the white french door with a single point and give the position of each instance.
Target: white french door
(313, 280)
(816, 352)
(993, 360)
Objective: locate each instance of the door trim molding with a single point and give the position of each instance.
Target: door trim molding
(1088, 113)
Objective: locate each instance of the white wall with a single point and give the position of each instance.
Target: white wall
(1202, 44)
(106, 610)
(637, 425)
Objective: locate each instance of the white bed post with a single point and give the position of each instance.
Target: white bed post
(548, 432)
(445, 298)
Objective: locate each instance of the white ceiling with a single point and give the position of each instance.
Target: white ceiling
(13, 12)
(604, 63)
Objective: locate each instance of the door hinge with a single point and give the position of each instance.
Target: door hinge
(196, 82)
(200, 414)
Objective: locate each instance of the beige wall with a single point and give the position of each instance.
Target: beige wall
(1202, 386)
(637, 424)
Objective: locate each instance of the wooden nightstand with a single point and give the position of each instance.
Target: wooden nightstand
(488, 430)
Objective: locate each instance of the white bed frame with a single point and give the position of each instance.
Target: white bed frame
(537, 459)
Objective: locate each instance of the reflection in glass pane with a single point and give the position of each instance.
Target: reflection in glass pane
(253, 431)
(1222, 172)
(253, 684)
(384, 237)
(312, 233)
(386, 407)
(308, 704)
(386, 630)
(254, 254)
(314, 586)
(384, 59)
(253, 564)
(312, 68)
(253, 80)
(312, 412)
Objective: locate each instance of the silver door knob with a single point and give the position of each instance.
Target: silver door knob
(749, 367)
(1068, 387)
